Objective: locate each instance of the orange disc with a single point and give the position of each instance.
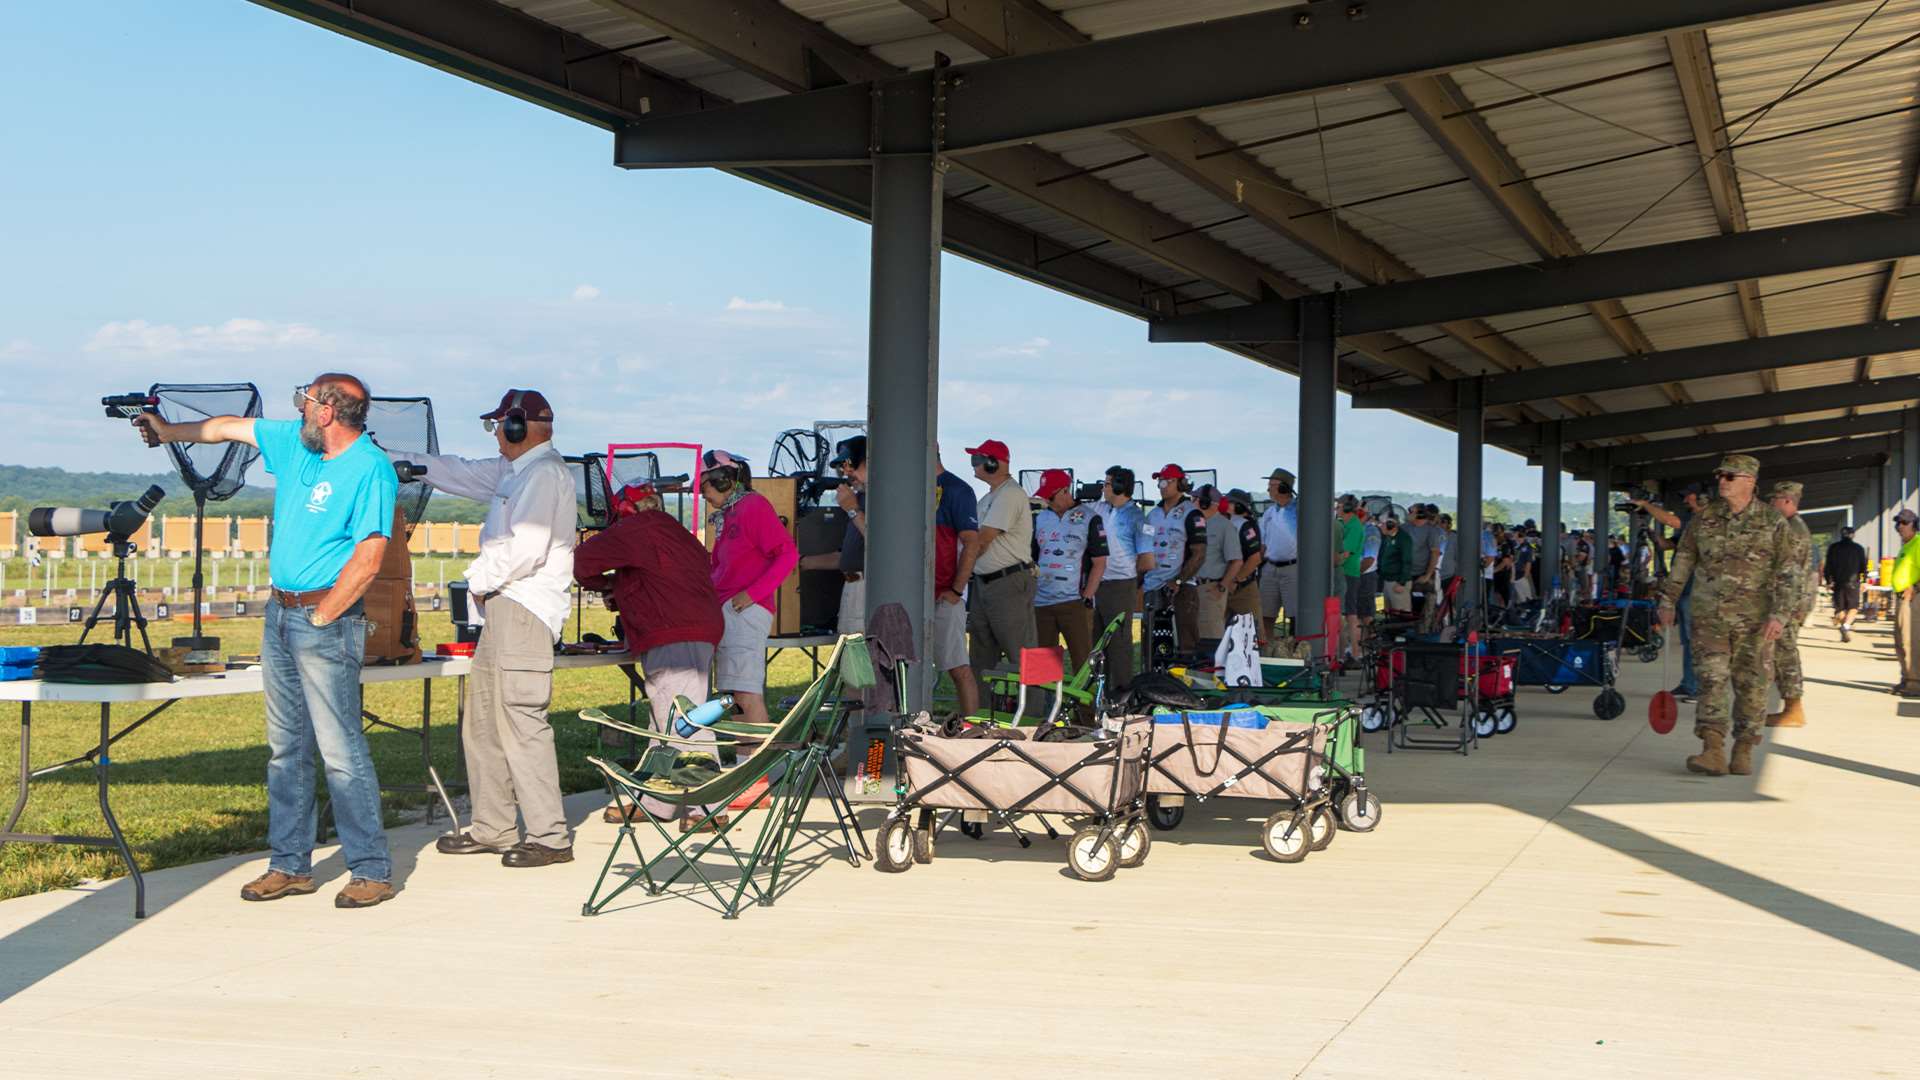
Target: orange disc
(1662, 712)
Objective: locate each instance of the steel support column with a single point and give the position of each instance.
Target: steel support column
(1602, 508)
(1469, 418)
(1318, 327)
(1910, 461)
(1549, 554)
(903, 378)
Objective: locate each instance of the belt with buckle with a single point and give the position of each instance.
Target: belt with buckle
(996, 575)
(310, 598)
(1281, 562)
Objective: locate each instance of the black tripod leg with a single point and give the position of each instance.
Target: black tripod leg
(26, 770)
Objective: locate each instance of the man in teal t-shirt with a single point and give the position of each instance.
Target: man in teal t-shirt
(332, 512)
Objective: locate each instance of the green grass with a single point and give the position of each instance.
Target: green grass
(150, 574)
(191, 785)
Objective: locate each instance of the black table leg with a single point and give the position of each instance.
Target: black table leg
(100, 766)
(26, 772)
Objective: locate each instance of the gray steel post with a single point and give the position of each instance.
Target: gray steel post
(903, 375)
(1469, 419)
(1550, 451)
(1910, 461)
(1318, 329)
(1602, 508)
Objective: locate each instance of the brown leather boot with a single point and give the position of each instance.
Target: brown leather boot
(1788, 716)
(1741, 763)
(1712, 758)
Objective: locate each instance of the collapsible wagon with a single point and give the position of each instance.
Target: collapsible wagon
(1555, 663)
(1305, 757)
(1460, 686)
(998, 774)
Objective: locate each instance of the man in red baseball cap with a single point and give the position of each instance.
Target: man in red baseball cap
(1178, 532)
(1070, 550)
(998, 561)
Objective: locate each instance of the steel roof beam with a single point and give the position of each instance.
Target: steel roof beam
(1445, 113)
(1797, 460)
(1685, 264)
(1720, 411)
(1698, 362)
(1700, 95)
(1728, 442)
(1193, 68)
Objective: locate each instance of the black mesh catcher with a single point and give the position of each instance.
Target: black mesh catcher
(405, 425)
(798, 452)
(212, 471)
(1200, 478)
(591, 493)
(1030, 481)
(1380, 506)
(634, 467)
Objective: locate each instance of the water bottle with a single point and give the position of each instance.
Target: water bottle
(702, 716)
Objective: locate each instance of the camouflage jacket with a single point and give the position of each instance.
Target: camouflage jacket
(1750, 565)
(1809, 568)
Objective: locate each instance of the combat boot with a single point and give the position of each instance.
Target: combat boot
(1742, 762)
(1789, 715)
(1712, 758)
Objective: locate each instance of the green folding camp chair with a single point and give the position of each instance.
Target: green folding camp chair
(1078, 688)
(685, 773)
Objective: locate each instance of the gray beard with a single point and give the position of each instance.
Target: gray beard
(311, 437)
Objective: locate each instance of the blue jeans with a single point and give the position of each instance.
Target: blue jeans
(1683, 617)
(312, 676)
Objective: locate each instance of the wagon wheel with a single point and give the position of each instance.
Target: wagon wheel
(1135, 840)
(1359, 811)
(894, 854)
(1505, 719)
(1609, 704)
(1162, 817)
(1555, 688)
(1092, 855)
(1285, 836)
(1484, 724)
(1321, 828)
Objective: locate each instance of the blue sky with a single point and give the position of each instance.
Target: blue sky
(210, 191)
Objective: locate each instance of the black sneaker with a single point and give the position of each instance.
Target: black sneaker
(464, 844)
(1844, 636)
(527, 853)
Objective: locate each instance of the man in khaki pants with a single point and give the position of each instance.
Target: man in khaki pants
(520, 582)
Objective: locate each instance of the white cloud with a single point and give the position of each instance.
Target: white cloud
(17, 349)
(740, 303)
(583, 293)
(1031, 347)
(232, 336)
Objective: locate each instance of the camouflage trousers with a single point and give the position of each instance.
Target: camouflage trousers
(1734, 664)
(1786, 662)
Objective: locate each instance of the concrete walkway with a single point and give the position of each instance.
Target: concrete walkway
(1567, 902)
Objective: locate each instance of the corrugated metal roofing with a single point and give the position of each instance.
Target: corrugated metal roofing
(1820, 153)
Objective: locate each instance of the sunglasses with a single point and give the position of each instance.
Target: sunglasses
(301, 397)
(1725, 476)
(982, 461)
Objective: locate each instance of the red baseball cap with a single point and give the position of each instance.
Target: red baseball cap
(1171, 472)
(992, 448)
(531, 404)
(1052, 481)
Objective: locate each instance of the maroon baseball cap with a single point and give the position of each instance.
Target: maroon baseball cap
(532, 405)
(1171, 472)
(1051, 482)
(992, 448)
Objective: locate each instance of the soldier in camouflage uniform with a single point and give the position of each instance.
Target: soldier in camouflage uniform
(1749, 586)
(1785, 497)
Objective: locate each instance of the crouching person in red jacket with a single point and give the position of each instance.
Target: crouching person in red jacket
(659, 577)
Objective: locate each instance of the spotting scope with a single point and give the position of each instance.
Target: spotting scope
(121, 519)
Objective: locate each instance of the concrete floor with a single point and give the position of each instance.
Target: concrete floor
(1568, 902)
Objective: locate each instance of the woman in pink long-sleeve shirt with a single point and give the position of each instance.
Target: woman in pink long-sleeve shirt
(752, 555)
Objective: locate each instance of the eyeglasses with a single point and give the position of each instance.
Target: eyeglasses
(301, 397)
(1723, 477)
(981, 461)
(489, 425)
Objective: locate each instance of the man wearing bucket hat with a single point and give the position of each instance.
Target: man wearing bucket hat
(1070, 550)
(1747, 589)
(1785, 497)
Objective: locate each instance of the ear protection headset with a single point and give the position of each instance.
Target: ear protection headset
(1122, 479)
(722, 470)
(1206, 496)
(513, 423)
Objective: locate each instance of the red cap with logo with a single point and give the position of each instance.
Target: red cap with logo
(992, 448)
(1171, 472)
(530, 404)
(1052, 481)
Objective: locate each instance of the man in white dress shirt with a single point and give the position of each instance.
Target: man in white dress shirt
(520, 583)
